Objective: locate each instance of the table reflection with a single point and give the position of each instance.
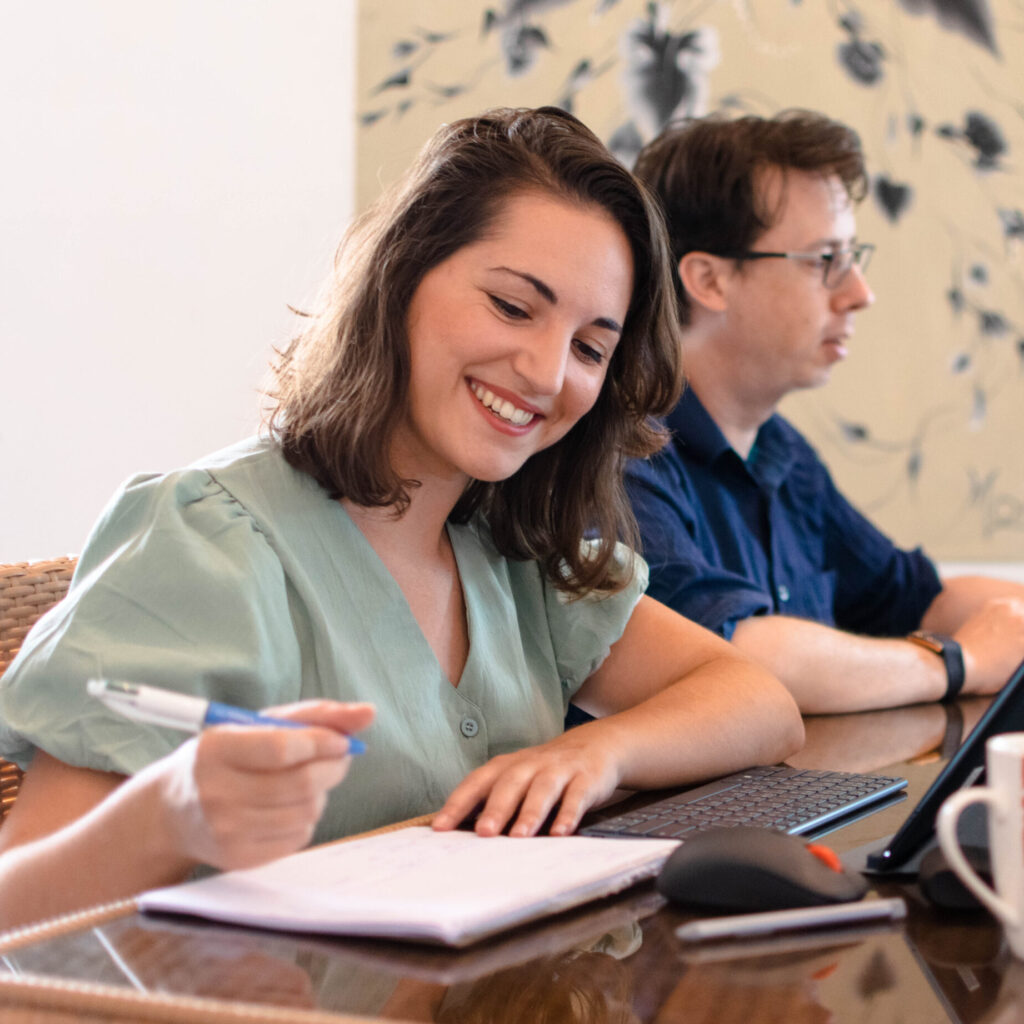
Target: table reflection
(870, 740)
(615, 961)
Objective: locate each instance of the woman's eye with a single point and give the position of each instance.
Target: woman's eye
(508, 308)
(588, 352)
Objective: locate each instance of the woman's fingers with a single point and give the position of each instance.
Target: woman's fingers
(572, 790)
(507, 795)
(254, 748)
(525, 787)
(342, 718)
(265, 786)
(580, 795)
(245, 794)
(464, 799)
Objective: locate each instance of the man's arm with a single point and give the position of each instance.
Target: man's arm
(881, 590)
(828, 670)
(986, 616)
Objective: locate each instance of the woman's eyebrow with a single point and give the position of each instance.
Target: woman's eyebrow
(608, 324)
(548, 293)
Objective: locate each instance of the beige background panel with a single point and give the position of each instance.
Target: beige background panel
(922, 426)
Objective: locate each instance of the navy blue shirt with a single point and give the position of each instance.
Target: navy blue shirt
(727, 538)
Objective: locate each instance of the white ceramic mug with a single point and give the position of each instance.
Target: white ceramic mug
(1004, 796)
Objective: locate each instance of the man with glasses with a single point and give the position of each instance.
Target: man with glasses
(742, 526)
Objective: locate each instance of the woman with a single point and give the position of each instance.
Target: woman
(409, 538)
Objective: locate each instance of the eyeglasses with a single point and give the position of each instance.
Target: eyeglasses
(835, 265)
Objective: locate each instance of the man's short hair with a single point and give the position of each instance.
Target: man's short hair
(705, 171)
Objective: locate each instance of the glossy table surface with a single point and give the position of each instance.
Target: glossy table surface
(615, 961)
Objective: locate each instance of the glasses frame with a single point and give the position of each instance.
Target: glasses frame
(858, 256)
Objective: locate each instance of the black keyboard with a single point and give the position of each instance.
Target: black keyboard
(793, 800)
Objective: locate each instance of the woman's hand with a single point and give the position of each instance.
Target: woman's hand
(232, 797)
(237, 796)
(675, 704)
(574, 771)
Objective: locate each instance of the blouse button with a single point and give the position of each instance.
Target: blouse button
(783, 592)
(469, 727)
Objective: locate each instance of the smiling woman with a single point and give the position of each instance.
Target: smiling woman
(425, 546)
(510, 340)
(470, 183)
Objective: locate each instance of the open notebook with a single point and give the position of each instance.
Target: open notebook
(413, 883)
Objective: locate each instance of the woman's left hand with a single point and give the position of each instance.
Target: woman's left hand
(571, 771)
(674, 705)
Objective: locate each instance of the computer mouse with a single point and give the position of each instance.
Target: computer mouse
(750, 869)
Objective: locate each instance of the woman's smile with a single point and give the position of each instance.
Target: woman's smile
(510, 411)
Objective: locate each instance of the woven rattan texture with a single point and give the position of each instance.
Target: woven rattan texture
(27, 589)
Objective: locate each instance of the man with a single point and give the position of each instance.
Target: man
(741, 523)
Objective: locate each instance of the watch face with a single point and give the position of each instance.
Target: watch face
(927, 640)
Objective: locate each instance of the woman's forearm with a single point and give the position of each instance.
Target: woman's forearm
(724, 716)
(116, 849)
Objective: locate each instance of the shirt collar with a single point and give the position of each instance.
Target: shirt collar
(693, 428)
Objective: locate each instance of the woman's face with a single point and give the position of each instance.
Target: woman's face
(510, 339)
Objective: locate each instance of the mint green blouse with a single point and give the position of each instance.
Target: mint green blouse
(238, 579)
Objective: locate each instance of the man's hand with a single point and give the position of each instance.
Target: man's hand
(992, 641)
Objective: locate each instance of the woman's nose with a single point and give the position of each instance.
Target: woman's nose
(542, 361)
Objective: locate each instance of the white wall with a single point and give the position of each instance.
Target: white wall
(172, 175)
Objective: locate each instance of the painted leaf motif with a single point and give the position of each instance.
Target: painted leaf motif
(893, 197)
(971, 18)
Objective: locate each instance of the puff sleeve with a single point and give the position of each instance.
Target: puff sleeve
(584, 629)
(177, 587)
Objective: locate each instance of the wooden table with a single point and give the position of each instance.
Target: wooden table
(615, 961)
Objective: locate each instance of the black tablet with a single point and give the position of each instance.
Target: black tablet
(965, 767)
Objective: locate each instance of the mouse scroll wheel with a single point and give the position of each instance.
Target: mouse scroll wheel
(827, 857)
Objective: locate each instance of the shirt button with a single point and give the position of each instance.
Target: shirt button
(469, 727)
(783, 592)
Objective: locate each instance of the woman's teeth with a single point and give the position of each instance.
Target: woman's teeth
(501, 406)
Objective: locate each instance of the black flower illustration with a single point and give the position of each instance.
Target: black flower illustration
(666, 74)
(1013, 223)
(992, 323)
(986, 138)
(853, 431)
(862, 60)
(972, 18)
(893, 197)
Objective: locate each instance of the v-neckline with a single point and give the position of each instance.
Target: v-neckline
(392, 584)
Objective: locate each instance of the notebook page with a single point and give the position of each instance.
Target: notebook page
(450, 887)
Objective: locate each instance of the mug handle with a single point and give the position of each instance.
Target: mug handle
(949, 815)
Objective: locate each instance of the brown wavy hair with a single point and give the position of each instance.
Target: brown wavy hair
(706, 171)
(341, 386)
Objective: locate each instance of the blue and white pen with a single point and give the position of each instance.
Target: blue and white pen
(181, 711)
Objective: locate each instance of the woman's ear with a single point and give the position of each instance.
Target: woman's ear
(703, 277)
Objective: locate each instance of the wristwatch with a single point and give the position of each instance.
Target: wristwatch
(947, 649)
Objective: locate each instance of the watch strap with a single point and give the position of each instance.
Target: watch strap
(952, 657)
